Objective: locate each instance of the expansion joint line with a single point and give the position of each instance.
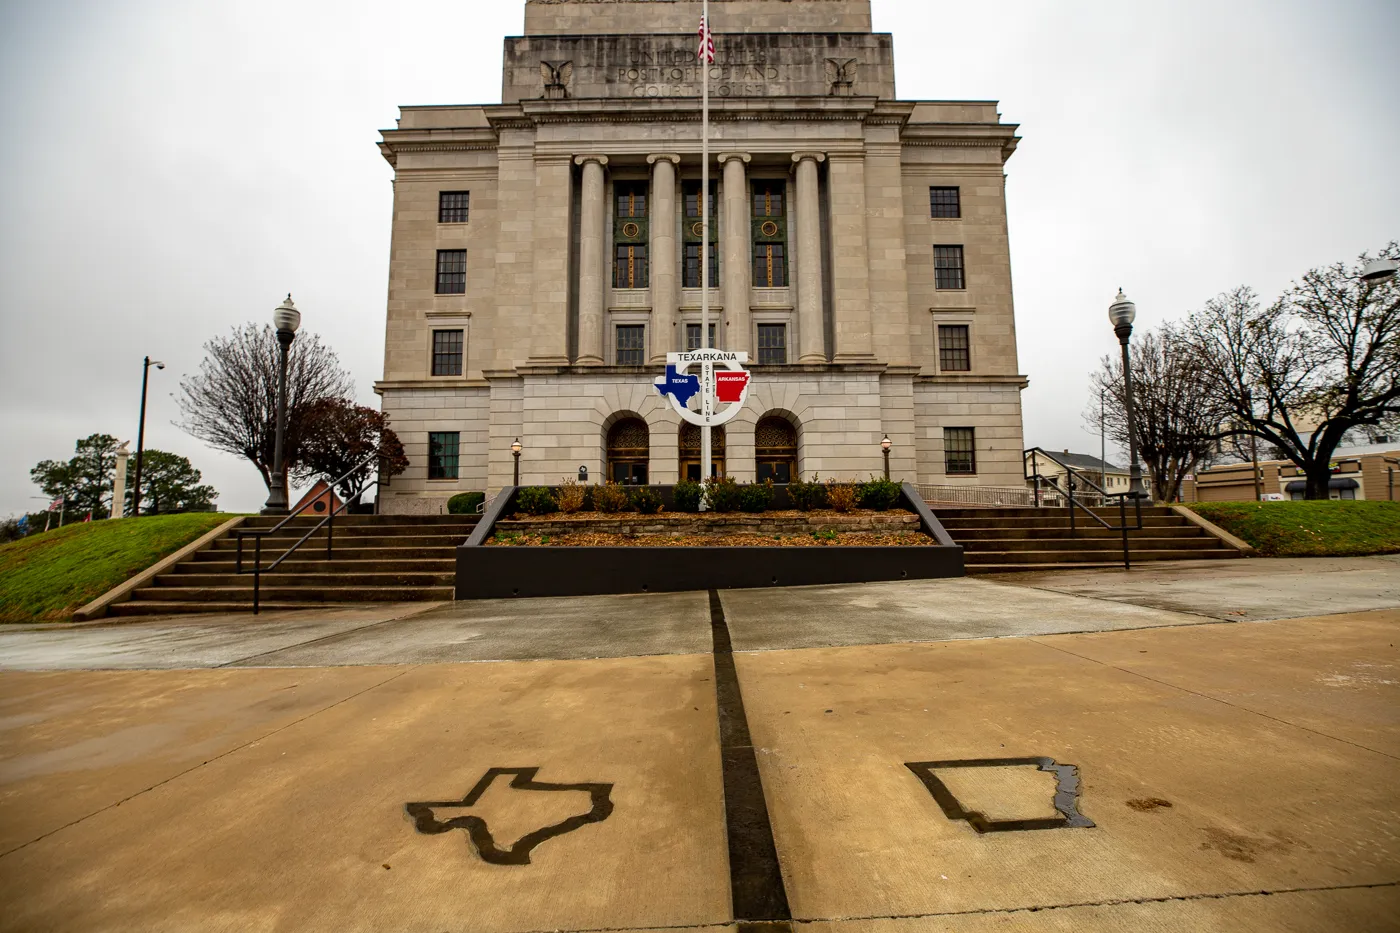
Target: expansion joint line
(178, 775)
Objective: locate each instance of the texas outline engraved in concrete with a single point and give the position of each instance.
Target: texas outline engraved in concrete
(421, 813)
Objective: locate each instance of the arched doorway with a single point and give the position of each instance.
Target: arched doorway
(775, 449)
(629, 448)
(690, 452)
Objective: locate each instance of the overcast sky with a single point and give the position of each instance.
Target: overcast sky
(173, 169)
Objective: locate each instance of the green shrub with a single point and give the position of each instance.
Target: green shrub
(610, 497)
(722, 494)
(756, 497)
(465, 503)
(536, 500)
(806, 496)
(687, 496)
(878, 494)
(646, 500)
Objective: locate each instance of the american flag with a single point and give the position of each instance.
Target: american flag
(706, 51)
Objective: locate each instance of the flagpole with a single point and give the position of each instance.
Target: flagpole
(705, 237)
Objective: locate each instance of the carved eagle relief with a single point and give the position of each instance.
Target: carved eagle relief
(841, 72)
(556, 79)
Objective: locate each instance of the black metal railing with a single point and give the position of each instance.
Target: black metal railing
(257, 534)
(1074, 480)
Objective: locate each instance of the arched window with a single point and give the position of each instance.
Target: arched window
(775, 449)
(690, 451)
(629, 448)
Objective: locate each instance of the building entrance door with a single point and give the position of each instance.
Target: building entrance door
(629, 450)
(690, 452)
(775, 450)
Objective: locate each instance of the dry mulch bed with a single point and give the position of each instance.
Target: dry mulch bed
(607, 539)
(663, 516)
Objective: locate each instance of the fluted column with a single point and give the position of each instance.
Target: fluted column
(811, 334)
(665, 301)
(592, 231)
(735, 243)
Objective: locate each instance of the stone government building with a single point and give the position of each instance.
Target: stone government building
(546, 256)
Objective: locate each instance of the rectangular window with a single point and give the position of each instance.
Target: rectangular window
(452, 206)
(630, 270)
(447, 353)
(451, 272)
(629, 344)
(768, 198)
(953, 353)
(691, 191)
(691, 272)
(442, 454)
(948, 267)
(959, 450)
(631, 199)
(772, 344)
(692, 337)
(769, 265)
(944, 202)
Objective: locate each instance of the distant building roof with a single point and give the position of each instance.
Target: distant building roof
(1086, 462)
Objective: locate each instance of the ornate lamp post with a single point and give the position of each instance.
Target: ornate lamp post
(286, 318)
(1121, 313)
(140, 441)
(885, 449)
(515, 450)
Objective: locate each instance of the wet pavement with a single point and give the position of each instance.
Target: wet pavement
(349, 770)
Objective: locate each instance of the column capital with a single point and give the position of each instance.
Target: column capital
(724, 157)
(814, 156)
(591, 157)
(664, 157)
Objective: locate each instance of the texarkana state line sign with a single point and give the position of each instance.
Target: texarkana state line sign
(722, 381)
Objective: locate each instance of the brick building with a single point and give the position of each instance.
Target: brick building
(546, 256)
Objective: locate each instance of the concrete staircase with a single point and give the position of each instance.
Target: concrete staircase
(377, 558)
(1005, 540)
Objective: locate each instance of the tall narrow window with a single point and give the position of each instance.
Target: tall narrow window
(692, 337)
(451, 272)
(447, 353)
(959, 450)
(442, 454)
(630, 347)
(772, 343)
(630, 234)
(691, 236)
(954, 355)
(944, 202)
(452, 206)
(948, 267)
(770, 268)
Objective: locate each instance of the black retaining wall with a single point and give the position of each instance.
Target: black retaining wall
(499, 572)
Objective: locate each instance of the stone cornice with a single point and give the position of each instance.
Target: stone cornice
(971, 379)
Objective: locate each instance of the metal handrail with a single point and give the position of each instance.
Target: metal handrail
(1070, 474)
(257, 534)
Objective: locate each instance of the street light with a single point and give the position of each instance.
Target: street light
(286, 318)
(1121, 313)
(515, 450)
(1378, 270)
(146, 365)
(885, 449)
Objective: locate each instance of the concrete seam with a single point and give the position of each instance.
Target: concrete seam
(1207, 696)
(1125, 602)
(312, 641)
(181, 774)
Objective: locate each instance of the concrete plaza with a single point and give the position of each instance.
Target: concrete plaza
(1234, 728)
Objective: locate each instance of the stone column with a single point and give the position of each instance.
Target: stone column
(734, 241)
(665, 299)
(591, 255)
(810, 330)
(549, 343)
(119, 482)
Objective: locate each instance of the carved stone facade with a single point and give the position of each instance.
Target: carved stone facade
(545, 255)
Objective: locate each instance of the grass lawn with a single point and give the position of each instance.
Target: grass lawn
(46, 576)
(1310, 529)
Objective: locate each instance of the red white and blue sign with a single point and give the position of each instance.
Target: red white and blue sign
(713, 392)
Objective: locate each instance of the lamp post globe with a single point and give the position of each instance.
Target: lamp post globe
(1122, 313)
(515, 450)
(885, 446)
(287, 319)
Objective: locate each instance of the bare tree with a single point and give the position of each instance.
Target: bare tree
(1321, 360)
(231, 403)
(338, 436)
(1177, 413)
